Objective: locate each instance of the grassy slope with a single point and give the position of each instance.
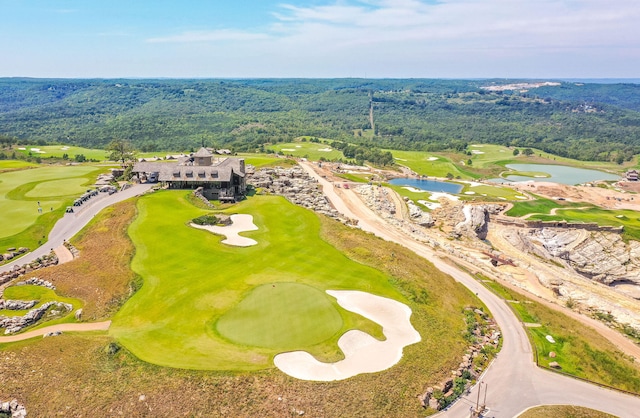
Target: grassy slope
(59, 150)
(20, 191)
(190, 284)
(563, 411)
(580, 350)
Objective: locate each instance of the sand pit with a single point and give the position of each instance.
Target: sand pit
(325, 150)
(240, 223)
(363, 353)
(437, 195)
(433, 159)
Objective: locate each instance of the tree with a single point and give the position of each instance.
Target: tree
(527, 152)
(516, 152)
(121, 151)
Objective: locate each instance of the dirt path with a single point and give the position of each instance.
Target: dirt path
(88, 326)
(63, 254)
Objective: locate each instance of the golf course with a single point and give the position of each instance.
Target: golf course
(33, 199)
(224, 307)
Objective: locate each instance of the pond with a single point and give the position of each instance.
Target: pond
(428, 185)
(560, 174)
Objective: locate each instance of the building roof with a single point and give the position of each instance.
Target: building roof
(220, 170)
(203, 152)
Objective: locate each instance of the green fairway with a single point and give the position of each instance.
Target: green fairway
(189, 312)
(430, 164)
(311, 150)
(20, 192)
(281, 316)
(7, 165)
(45, 151)
(630, 219)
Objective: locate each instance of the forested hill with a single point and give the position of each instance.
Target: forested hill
(579, 120)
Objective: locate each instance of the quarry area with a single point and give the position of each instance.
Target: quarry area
(588, 269)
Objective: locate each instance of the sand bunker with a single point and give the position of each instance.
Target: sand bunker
(363, 353)
(287, 149)
(414, 190)
(325, 149)
(430, 205)
(240, 223)
(437, 195)
(432, 159)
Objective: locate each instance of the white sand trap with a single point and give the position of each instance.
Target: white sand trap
(414, 190)
(287, 149)
(325, 150)
(433, 159)
(469, 193)
(240, 223)
(430, 205)
(22, 149)
(475, 151)
(64, 148)
(363, 353)
(400, 159)
(522, 197)
(298, 146)
(437, 195)
(550, 339)
(477, 145)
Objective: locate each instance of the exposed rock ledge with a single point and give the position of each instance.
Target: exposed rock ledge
(600, 256)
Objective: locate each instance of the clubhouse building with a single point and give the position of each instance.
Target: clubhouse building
(220, 178)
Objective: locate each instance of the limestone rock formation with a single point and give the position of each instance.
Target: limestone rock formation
(597, 255)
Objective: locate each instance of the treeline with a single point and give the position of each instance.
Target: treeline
(364, 152)
(578, 120)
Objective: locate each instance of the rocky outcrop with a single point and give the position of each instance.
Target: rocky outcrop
(17, 305)
(13, 408)
(600, 256)
(296, 186)
(17, 271)
(476, 220)
(15, 324)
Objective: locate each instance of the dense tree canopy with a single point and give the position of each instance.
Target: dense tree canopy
(579, 120)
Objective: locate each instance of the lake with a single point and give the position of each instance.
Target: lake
(428, 185)
(560, 174)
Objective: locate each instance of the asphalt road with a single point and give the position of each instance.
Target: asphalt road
(72, 223)
(513, 382)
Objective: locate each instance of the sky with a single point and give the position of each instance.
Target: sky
(320, 38)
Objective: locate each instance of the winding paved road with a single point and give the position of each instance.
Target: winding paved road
(513, 382)
(72, 223)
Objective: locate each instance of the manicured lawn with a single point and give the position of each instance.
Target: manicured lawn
(281, 316)
(6, 165)
(563, 411)
(429, 164)
(311, 150)
(43, 295)
(630, 219)
(195, 287)
(59, 150)
(21, 191)
(541, 205)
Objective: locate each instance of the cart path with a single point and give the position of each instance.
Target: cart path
(513, 380)
(84, 326)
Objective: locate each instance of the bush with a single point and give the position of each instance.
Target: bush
(206, 220)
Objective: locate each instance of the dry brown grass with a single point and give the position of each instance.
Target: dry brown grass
(72, 376)
(101, 276)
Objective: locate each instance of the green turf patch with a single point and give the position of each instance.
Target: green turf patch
(191, 281)
(23, 224)
(283, 316)
(311, 150)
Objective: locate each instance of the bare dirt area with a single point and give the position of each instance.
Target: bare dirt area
(606, 198)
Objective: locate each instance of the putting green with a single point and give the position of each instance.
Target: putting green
(281, 316)
(194, 309)
(54, 188)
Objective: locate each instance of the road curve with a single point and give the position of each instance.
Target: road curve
(71, 223)
(513, 382)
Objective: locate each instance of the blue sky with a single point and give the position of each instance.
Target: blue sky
(320, 38)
